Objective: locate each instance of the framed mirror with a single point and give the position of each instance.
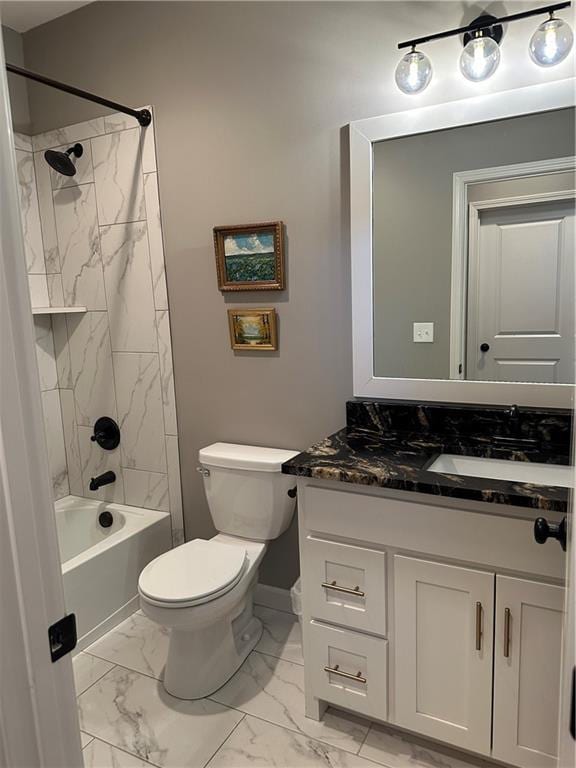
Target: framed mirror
(463, 243)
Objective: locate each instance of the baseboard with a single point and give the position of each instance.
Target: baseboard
(273, 597)
(105, 626)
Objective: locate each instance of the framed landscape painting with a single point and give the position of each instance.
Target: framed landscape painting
(250, 257)
(253, 329)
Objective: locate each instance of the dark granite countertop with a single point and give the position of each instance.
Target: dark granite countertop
(398, 459)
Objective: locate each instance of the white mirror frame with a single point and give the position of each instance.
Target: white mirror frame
(363, 133)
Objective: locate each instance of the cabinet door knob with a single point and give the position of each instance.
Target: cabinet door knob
(543, 530)
(484, 347)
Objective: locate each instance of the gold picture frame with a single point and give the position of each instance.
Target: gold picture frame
(253, 329)
(250, 257)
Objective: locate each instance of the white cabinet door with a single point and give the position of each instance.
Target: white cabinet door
(443, 637)
(529, 618)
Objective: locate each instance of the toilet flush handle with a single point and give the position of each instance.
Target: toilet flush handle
(203, 471)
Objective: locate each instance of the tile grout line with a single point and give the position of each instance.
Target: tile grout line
(303, 736)
(213, 755)
(280, 658)
(364, 739)
(97, 680)
(291, 730)
(122, 666)
(121, 749)
(227, 706)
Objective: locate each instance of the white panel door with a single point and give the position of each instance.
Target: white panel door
(529, 618)
(521, 294)
(443, 651)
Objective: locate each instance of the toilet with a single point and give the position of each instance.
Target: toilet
(203, 589)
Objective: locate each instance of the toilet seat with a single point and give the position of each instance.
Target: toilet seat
(193, 573)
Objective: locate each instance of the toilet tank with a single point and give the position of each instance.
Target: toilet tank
(246, 490)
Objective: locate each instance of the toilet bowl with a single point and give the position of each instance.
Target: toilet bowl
(203, 590)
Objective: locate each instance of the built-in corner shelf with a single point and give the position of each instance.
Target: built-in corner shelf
(57, 310)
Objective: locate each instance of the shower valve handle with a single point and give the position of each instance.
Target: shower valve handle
(106, 433)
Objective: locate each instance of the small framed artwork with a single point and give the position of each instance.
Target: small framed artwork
(253, 329)
(250, 257)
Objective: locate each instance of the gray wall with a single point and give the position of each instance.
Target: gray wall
(251, 101)
(14, 53)
(413, 227)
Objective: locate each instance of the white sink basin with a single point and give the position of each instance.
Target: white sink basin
(503, 469)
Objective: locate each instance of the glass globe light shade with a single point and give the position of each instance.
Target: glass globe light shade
(413, 72)
(551, 42)
(480, 58)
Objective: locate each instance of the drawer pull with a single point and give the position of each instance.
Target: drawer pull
(332, 585)
(348, 675)
(478, 626)
(507, 617)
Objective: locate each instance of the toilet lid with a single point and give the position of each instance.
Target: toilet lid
(193, 572)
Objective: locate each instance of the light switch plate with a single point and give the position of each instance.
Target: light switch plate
(423, 332)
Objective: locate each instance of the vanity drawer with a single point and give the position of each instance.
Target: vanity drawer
(345, 584)
(348, 669)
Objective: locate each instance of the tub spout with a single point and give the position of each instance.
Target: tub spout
(105, 479)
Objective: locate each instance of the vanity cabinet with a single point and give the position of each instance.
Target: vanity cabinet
(444, 635)
(444, 619)
(527, 656)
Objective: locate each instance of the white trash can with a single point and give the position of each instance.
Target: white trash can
(296, 599)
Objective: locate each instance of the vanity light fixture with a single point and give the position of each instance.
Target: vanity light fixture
(551, 42)
(550, 45)
(481, 55)
(414, 72)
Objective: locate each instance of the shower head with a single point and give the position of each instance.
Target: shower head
(61, 162)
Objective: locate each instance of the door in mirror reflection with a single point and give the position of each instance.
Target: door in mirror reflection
(473, 251)
(521, 293)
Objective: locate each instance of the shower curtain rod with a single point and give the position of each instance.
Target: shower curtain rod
(143, 116)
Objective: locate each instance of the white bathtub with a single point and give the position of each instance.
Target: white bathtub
(101, 566)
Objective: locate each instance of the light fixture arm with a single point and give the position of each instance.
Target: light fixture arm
(490, 22)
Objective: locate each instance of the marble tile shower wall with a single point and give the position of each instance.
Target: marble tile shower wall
(95, 240)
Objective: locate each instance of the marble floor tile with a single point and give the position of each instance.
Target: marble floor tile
(281, 636)
(395, 750)
(101, 755)
(274, 690)
(87, 670)
(133, 712)
(137, 643)
(85, 739)
(257, 743)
